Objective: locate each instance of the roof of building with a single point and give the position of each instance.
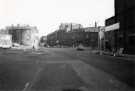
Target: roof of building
(91, 29)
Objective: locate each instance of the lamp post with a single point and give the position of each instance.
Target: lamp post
(101, 37)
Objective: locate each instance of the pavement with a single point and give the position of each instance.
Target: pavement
(62, 69)
(123, 56)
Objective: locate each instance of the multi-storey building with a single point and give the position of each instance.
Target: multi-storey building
(86, 36)
(122, 26)
(24, 35)
(69, 26)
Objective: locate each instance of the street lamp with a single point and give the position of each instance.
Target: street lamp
(101, 37)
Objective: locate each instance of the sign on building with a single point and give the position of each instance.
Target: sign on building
(112, 27)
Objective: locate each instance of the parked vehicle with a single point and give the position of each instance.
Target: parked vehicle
(80, 47)
(16, 45)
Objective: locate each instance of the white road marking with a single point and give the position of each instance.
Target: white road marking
(97, 78)
(28, 85)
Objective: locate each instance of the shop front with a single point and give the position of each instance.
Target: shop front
(113, 40)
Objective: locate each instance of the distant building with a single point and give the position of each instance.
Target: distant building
(24, 35)
(120, 28)
(86, 36)
(3, 31)
(91, 29)
(43, 41)
(69, 26)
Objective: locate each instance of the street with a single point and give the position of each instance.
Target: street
(64, 69)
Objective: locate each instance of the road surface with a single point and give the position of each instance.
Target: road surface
(63, 69)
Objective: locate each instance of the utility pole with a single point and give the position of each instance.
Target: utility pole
(99, 41)
(95, 24)
(71, 27)
(101, 37)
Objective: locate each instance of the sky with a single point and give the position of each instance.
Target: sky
(48, 14)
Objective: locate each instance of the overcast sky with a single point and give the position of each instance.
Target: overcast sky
(48, 14)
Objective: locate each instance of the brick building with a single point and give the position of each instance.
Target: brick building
(86, 36)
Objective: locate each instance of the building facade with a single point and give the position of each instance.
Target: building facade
(23, 35)
(69, 26)
(86, 36)
(123, 25)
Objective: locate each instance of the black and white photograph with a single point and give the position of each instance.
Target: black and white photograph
(67, 45)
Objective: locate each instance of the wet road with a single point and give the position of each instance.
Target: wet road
(54, 69)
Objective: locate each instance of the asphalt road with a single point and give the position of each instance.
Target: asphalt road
(63, 69)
